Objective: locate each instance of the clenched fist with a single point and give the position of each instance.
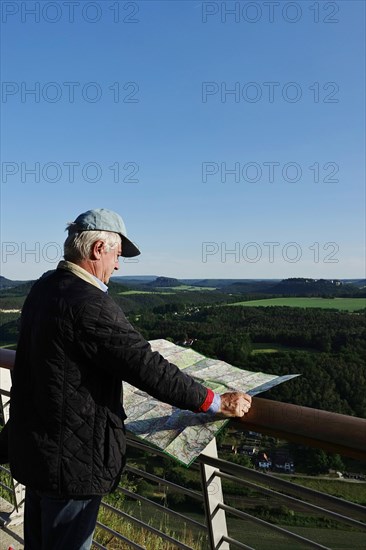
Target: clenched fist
(234, 404)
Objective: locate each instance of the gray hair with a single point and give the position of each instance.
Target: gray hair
(79, 244)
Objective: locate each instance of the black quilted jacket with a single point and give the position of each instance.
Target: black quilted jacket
(66, 433)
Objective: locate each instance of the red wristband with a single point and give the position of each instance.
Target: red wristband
(207, 402)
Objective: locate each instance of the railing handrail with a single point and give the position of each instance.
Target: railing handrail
(333, 432)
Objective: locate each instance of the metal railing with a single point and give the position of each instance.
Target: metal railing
(332, 432)
(15, 490)
(213, 470)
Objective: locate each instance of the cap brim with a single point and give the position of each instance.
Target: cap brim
(129, 250)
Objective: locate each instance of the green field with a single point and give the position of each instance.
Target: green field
(185, 287)
(10, 346)
(354, 491)
(342, 304)
(131, 292)
(270, 347)
(167, 290)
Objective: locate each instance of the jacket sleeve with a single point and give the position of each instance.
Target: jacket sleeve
(108, 341)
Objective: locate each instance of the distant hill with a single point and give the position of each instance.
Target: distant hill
(8, 283)
(298, 286)
(360, 283)
(250, 287)
(20, 288)
(295, 286)
(226, 283)
(164, 282)
(134, 279)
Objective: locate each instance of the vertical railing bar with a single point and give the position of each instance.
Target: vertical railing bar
(14, 494)
(213, 499)
(237, 543)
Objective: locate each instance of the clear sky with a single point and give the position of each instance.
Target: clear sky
(230, 136)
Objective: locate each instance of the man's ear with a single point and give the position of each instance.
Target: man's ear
(97, 250)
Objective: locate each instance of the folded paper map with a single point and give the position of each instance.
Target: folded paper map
(182, 434)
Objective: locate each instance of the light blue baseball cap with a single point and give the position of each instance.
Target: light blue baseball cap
(101, 219)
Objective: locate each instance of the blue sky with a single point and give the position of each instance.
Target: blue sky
(264, 182)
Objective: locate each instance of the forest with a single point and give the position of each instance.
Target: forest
(326, 346)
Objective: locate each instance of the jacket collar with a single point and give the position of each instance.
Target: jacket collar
(79, 272)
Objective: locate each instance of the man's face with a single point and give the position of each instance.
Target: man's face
(110, 262)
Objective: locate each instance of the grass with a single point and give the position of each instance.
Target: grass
(352, 491)
(152, 517)
(330, 533)
(342, 304)
(245, 531)
(262, 538)
(6, 480)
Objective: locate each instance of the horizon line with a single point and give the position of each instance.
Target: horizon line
(215, 278)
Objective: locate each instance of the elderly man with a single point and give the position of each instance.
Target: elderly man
(66, 433)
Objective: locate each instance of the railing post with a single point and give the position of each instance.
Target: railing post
(213, 497)
(16, 516)
(5, 385)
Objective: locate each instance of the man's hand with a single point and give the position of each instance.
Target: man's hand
(234, 404)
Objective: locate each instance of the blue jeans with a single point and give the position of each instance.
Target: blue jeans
(52, 523)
